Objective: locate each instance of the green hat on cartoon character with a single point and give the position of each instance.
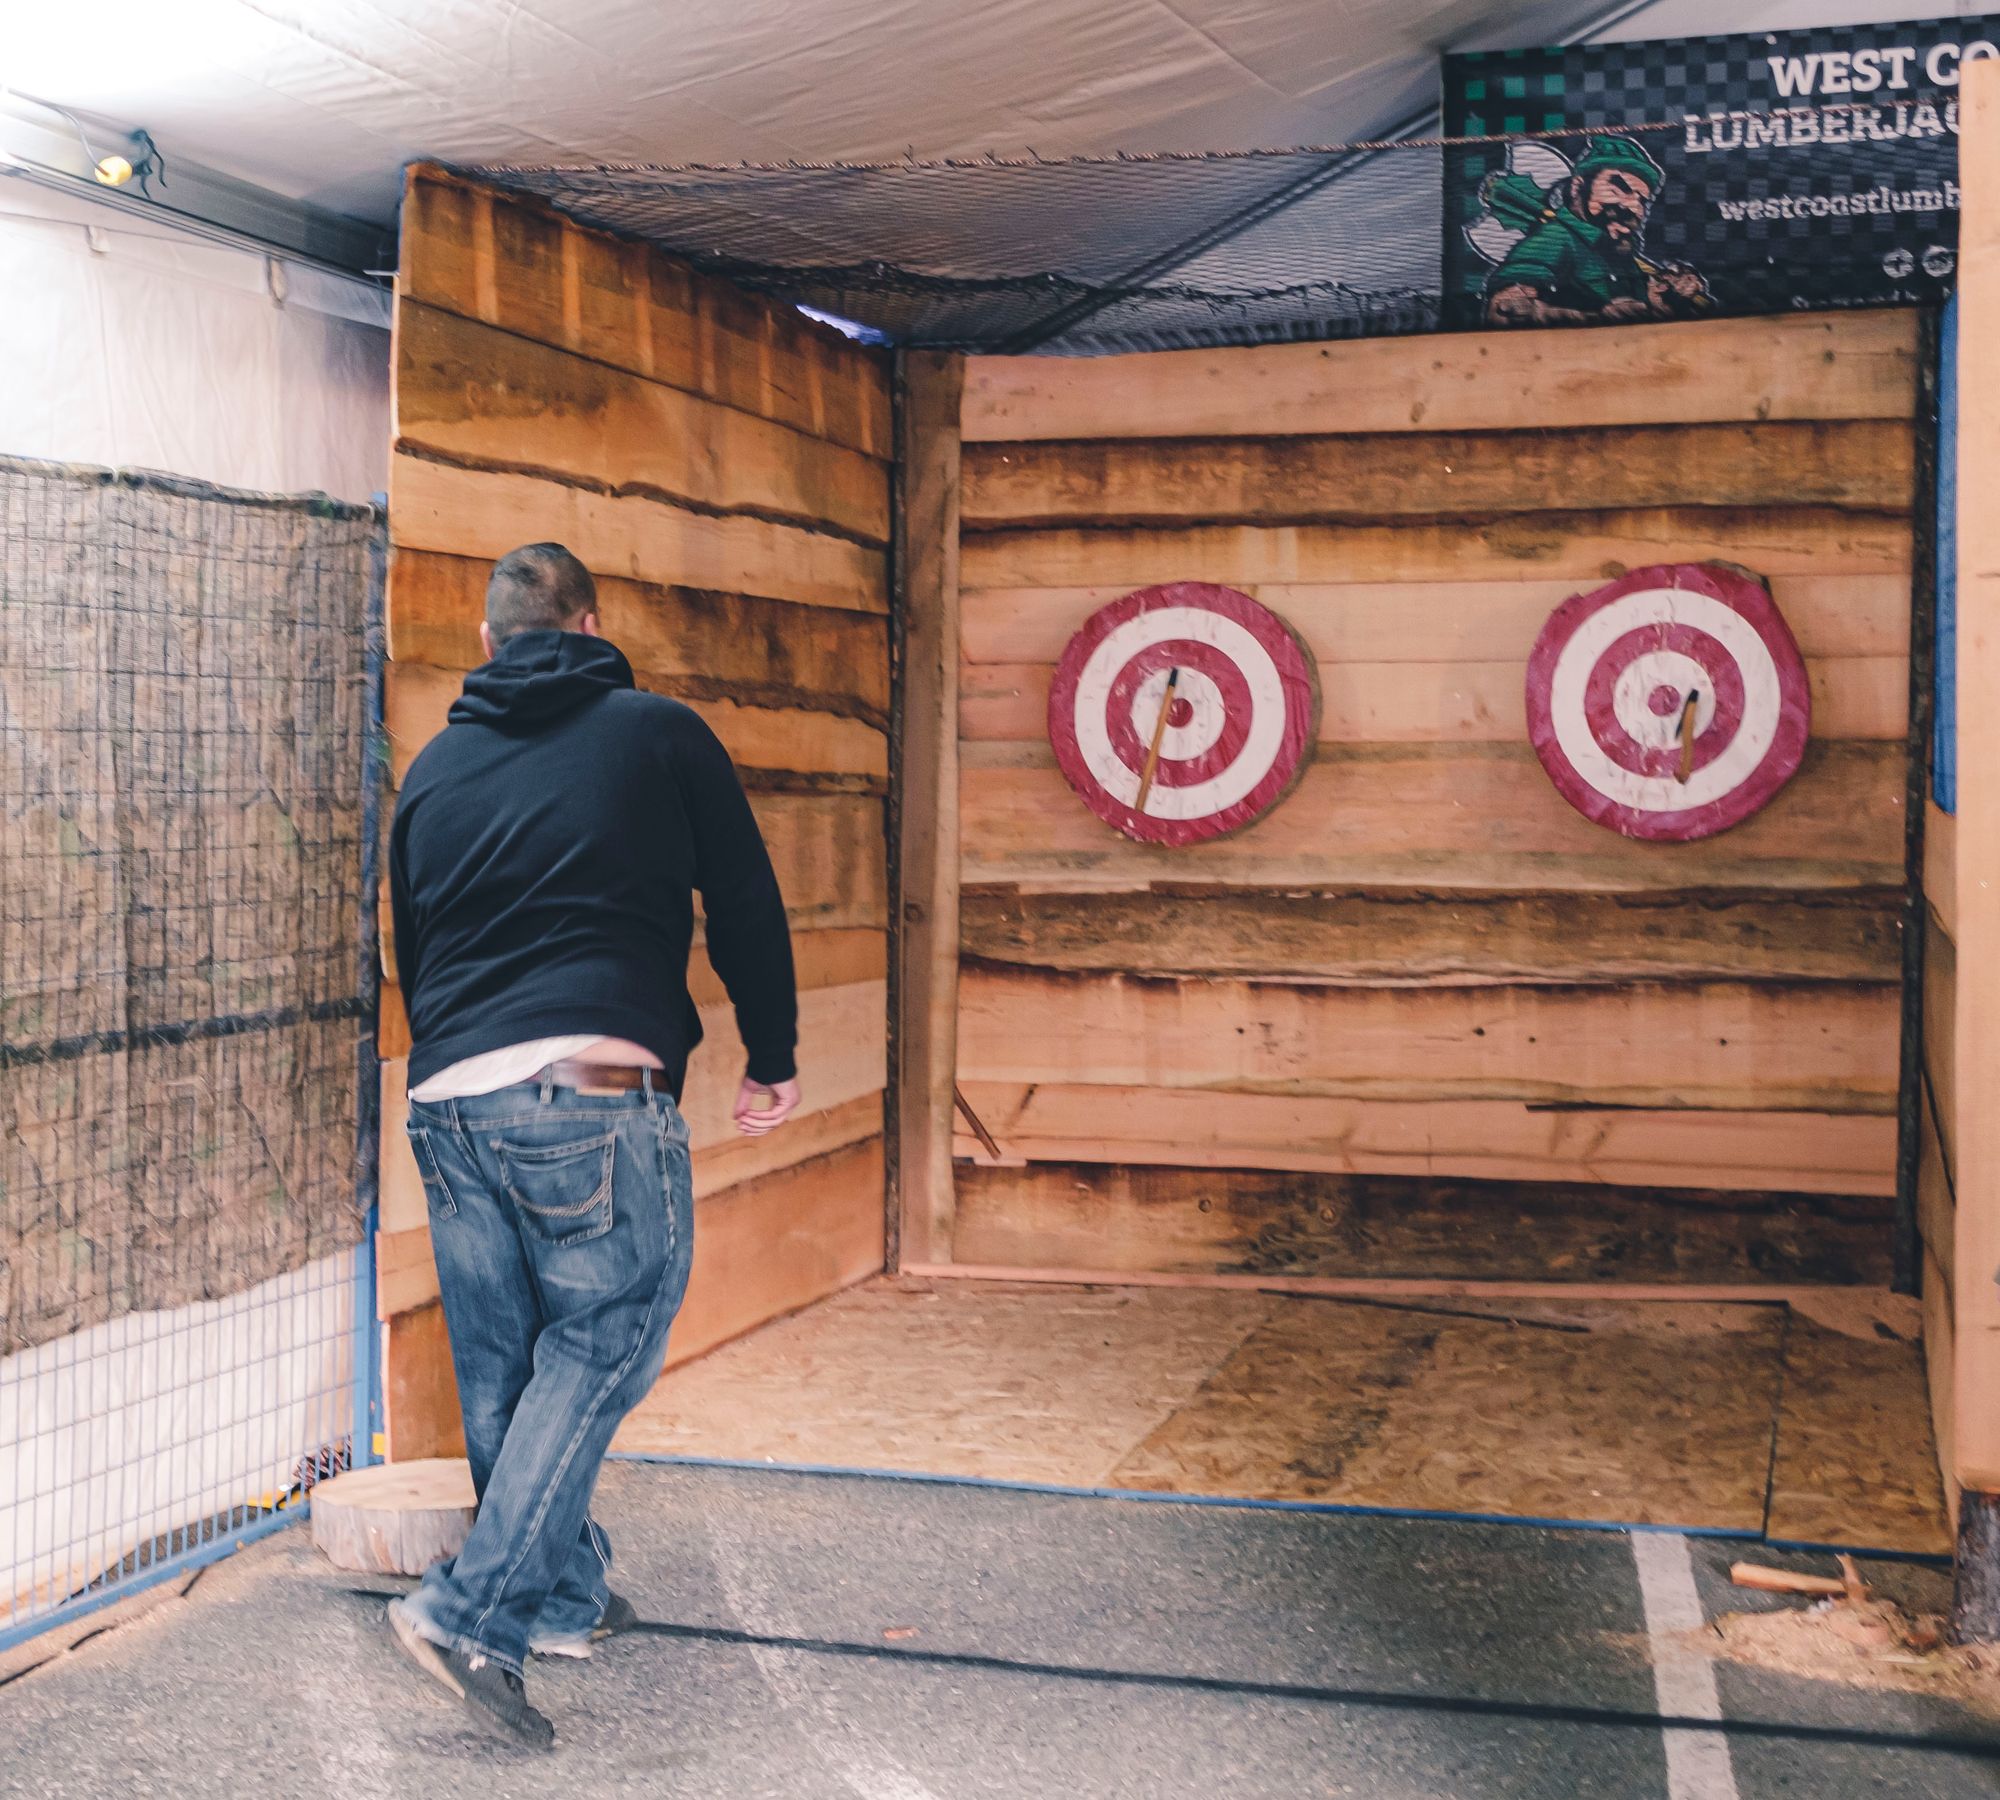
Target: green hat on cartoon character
(1620, 153)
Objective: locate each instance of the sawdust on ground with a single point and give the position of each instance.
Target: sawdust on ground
(1875, 1644)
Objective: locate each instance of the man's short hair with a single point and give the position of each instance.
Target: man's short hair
(539, 587)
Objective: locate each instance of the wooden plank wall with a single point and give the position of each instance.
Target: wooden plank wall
(1424, 962)
(722, 465)
(1974, 922)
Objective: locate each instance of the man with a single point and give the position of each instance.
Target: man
(546, 850)
(1579, 260)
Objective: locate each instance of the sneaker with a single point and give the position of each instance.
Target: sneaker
(493, 1695)
(618, 1618)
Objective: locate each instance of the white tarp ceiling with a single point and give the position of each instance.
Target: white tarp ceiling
(324, 100)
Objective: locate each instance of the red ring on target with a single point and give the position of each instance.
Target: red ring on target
(1601, 699)
(1234, 740)
(1203, 659)
(1611, 679)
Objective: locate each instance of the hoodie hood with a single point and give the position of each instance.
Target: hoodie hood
(537, 677)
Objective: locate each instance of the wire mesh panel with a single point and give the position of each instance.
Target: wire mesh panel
(186, 1009)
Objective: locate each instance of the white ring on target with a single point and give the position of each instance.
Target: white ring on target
(1631, 699)
(1267, 711)
(1755, 732)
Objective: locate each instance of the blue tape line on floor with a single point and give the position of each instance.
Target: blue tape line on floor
(1334, 1508)
(1325, 1508)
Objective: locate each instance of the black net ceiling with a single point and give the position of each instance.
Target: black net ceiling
(1080, 256)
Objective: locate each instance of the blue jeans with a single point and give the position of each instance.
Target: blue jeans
(563, 1226)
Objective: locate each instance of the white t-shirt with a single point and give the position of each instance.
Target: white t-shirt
(492, 1070)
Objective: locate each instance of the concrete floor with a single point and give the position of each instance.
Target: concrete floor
(817, 1638)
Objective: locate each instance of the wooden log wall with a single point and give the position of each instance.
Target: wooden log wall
(722, 465)
(1424, 962)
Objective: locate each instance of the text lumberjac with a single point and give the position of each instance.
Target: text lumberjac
(1793, 125)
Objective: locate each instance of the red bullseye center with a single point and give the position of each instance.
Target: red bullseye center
(1724, 683)
(1186, 655)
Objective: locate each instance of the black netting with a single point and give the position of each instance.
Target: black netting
(183, 979)
(1837, 204)
(1077, 255)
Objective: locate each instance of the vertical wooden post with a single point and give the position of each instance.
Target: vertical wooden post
(1907, 1243)
(924, 1014)
(1976, 1293)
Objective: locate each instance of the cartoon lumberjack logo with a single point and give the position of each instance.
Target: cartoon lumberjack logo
(1566, 239)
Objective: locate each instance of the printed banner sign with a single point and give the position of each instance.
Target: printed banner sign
(1766, 173)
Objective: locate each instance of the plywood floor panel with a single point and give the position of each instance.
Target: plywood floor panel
(1658, 1412)
(1855, 1461)
(1655, 1414)
(1010, 1381)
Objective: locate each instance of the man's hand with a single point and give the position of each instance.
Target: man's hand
(1678, 290)
(760, 1106)
(1624, 309)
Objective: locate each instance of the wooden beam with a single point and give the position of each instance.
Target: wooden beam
(513, 261)
(1937, 1210)
(1941, 864)
(768, 1247)
(819, 959)
(1428, 622)
(1433, 816)
(484, 514)
(1357, 476)
(1940, 1036)
(472, 394)
(1416, 939)
(1577, 547)
(827, 850)
(1734, 1046)
(1384, 1287)
(1845, 366)
(1501, 1140)
(1853, 697)
(1976, 929)
(926, 762)
(841, 1058)
(405, 1272)
(1287, 1222)
(694, 642)
(1938, 1360)
(832, 753)
(805, 1135)
(420, 1415)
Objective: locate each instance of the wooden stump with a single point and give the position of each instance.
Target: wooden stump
(394, 1518)
(1975, 1598)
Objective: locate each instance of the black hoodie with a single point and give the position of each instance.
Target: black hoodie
(542, 869)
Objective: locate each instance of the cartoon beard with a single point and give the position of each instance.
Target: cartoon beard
(1621, 223)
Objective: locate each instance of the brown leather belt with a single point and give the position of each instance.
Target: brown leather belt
(619, 1077)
